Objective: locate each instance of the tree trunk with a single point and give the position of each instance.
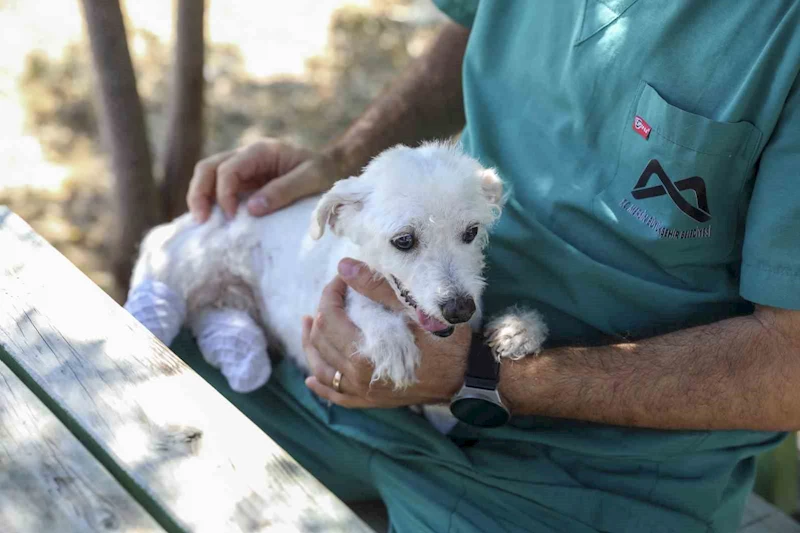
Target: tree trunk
(184, 140)
(123, 128)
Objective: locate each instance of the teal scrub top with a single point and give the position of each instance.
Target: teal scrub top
(652, 149)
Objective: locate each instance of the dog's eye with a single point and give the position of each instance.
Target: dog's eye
(404, 242)
(470, 234)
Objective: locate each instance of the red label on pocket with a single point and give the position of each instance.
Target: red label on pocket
(641, 127)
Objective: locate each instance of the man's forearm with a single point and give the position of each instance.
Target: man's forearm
(425, 103)
(740, 373)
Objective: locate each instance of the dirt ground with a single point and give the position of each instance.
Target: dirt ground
(367, 47)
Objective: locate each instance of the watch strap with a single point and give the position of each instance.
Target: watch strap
(483, 370)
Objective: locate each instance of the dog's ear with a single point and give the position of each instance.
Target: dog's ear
(337, 207)
(492, 187)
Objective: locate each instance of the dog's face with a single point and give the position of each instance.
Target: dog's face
(420, 218)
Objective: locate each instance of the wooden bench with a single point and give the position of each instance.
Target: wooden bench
(102, 428)
(105, 429)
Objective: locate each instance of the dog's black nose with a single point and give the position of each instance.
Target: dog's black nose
(458, 310)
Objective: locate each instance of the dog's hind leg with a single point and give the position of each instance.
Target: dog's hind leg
(157, 305)
(232, 341)
(207, 272)
(158, 308)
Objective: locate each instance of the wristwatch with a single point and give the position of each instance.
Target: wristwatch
(478, 403)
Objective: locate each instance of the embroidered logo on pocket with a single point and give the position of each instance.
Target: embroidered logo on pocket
(641, 127)
(640, 191)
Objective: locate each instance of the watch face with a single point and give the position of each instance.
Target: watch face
(479, 412)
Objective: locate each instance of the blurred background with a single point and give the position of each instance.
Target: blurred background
(208, 77)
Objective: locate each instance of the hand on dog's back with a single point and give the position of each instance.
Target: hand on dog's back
(279, 173)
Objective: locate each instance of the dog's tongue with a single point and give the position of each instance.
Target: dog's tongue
(429, 323)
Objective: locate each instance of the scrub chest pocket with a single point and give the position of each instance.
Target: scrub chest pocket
(676, 194)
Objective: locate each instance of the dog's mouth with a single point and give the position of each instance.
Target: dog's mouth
(427, 322)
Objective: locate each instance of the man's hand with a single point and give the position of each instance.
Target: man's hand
(329, 341)
(279, 172)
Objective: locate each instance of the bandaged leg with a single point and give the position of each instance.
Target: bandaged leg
(158, 308)
(232, 341)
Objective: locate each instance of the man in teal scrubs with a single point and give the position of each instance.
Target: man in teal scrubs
(653, 149)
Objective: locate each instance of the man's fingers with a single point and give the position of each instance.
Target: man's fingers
(352, 402)
(325, 359)
(332, 320)
(374, 286)
(237, 174)
(200, 196)
(333, 295)
(340, 399)
(321, 382)
(319, 367)
(284, 190)
(288, 172)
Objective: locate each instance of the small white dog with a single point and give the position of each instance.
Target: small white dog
(417, 216)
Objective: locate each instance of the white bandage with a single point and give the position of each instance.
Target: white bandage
(158, 308)
(232, 341)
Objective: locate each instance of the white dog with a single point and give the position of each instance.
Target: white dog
(419, 217)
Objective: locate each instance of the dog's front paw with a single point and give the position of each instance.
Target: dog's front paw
(516, 334)
(386, 341)
(394, 354)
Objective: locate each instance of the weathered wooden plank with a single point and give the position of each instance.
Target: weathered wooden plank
(761, 517)
(48, 480)
(194, 454)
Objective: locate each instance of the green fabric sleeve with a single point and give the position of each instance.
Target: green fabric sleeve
(771, 252)
(460, 11)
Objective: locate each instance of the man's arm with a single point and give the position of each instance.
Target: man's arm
(425, 103)
(740, 373)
